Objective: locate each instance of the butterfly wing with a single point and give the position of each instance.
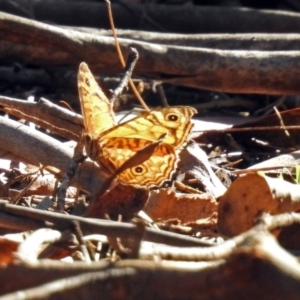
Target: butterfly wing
(112, 145)
(96, 109)
(124, 140)
(157, 167)
(152, 172)
(173, 121)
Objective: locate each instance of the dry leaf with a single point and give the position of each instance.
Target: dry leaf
(122, 200)
(249, 196)
(7, 250)
(165, 204)
(193, 160)
(285, 160)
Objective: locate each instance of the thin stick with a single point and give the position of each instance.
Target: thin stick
(38, 219)
(162, 95)
(262, 128)
(84, 249)
(61, 286)
(281, 121)
(255, 170)
(131, 62)
(119, 51)
(77, 159)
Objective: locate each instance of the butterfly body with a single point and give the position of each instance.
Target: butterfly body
(112, 145)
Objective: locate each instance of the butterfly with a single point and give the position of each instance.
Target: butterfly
(111, 144)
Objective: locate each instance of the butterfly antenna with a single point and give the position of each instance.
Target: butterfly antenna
(119, 51)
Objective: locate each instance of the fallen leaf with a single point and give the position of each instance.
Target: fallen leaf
(122, 200)
(7, 250)
(165, 204)
(249, 196)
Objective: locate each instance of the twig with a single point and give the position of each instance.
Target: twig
(185, 18)
(30, 248)
(268, 109)
(265, 223)
(145, 18)
(131, 62)
(255, 170)
(281, 122)
(119, 51)
(270, 223)
(259, 262)
(162, 95)
(19, 223)
(136, 240)
(245, 129)
(77, 159)
(62, 285)
(18, 197)
(90, 226)
(37, 148)
(84, 249)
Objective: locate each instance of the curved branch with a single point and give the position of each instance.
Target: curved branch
(158, 17)
(272, 72)
(38, 148)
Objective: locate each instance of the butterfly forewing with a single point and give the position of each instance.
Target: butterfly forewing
(174, 121)
(95, 107)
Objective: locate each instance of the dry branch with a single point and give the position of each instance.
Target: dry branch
(52, 117)
(90, 226)
(272, 72)
(33, 145)
(239, 41)
(260, 269)
(38, 148)
(168, 18)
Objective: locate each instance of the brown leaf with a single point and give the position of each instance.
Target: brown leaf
(7, 249)
(121, 200)
(165, 204)
(249, 196)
